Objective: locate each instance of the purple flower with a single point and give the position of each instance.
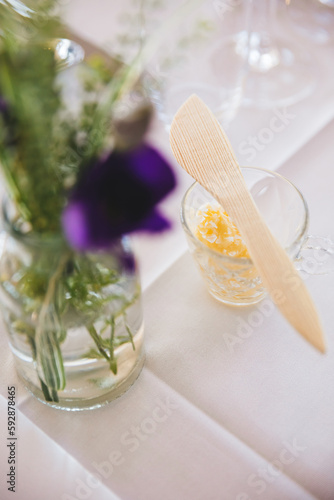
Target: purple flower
(117, 195)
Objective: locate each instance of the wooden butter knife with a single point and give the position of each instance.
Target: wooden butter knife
(201, 147)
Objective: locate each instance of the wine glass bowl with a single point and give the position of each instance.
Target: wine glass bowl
(280, 72)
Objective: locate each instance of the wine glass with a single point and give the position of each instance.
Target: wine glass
(280, 71)
(195, 59)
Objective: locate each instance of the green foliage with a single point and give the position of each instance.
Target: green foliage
(43, 150)
(42, 146)
(61, 287)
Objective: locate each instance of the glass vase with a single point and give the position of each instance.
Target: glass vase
(74, 319)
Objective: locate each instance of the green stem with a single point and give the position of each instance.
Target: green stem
(44, 388)
(51, 290)
(48, 353)
(129, 332)
(95, 336)
(113, 362)
(128, 76)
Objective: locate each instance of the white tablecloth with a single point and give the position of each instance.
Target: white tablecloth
(218, 413)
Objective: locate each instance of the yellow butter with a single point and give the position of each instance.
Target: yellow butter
(216, 230)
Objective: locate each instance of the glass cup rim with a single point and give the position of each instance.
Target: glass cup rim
(243, 260)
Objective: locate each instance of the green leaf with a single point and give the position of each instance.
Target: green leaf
(113, 361)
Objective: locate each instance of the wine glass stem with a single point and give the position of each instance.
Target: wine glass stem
(262, 50)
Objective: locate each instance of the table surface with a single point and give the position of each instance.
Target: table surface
(231, 404)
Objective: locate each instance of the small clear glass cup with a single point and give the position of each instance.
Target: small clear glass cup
(235, 281)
